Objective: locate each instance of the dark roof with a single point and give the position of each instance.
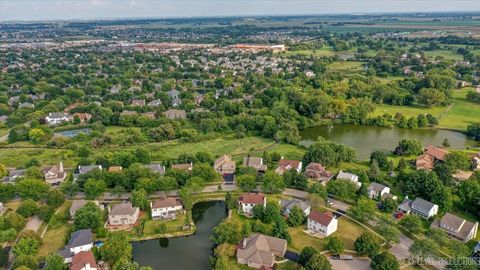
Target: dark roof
(80, 238)
(229, 177)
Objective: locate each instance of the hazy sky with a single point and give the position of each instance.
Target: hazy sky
(92, 9)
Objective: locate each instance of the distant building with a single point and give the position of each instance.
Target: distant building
(322, 223)
(155, 103)
(183, 166)
(14, 175)
(286, 165)
(247, 201)
(224, 164)
(165, 208)
(255, 162)
(156, 168)
(138, 102)
(115, 169)
(427, 160)
(259, 251)
(350, 177)
(175, 114)
(84, 117)
(54, 174)
(58, 118)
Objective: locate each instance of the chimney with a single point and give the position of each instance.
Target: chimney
(244, 242)
(61, 166)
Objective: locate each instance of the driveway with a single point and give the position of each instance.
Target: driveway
(400, 250)
(33, 224)
(355, 264)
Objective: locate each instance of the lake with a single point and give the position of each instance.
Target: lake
(188, 252)
(366, 139)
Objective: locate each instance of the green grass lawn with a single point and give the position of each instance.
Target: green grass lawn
(325, 51)
(345, 66)
(54, 239)
(447, 54)
(408, 111)
(348, 231)
(152, 225)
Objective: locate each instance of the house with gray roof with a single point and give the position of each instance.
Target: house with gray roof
(81, 240)
(259, 251)
(419, 206)
(155, 103)
(156, 168)
(350, 177)
(173, 93)
(457, 227)
(378, 191)
(123, 214)
(13, 175)
(77, 204)
(55, 118)
(287, 205)
(88, 168)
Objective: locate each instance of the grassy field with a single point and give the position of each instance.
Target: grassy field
(447, 54)
(345, 66)
(347, 231)
(152, 225)
(57, 234)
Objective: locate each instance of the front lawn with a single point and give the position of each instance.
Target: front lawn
(152, 226)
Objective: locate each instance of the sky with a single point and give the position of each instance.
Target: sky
(28, 10)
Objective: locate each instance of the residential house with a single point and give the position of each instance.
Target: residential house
(166, 208)
(317, 172)
(26, 105)
(287, 205)
(3, 118)
(138, 102)
(259, 251)
(72, 106)
(378, 191)
(182, 166)
(224, 164)
(254, 162)
(88, 168)
(80, 240)
(155, 103)
(176, 102)
(84, 260)
(350, 177)
(156, 168)
(13, 175)
(127, 112)
(175, 114)
(57, 118)
(247, 201)
(457, 227)
(115, 169)
(322, 223)
(427, 160)
(172, 94)
(286, 165)
(419, 206)
(77, 204)
(123, 214)
(228, 178)
(84, 117)
(54, 174)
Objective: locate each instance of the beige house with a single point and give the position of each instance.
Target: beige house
(183, 166)
(457, 227)
(77, 204)
(123, 214)
(175, 114)
(254, 162)
(54, 174)
(224, 164)
(259, 251)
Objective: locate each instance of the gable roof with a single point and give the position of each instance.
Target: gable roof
(81, 259)
(124, 208)
(436, 152)
(166, 202)
(290, 203)
(376, 187)
(80, 238)
(285, 163)
(253, 198)
(261, 249)
(422, 204)
(322, 218)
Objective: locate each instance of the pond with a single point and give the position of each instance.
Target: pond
(366, 139)
(184, 253)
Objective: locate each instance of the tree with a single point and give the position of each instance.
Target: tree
(328, 153)
(227, 232)
(205, 171)
(306, 253)
(431, 97)
(458, 161)
(3, 170)
(469, 192)
(402, 164)
(295, 180)
(32, 189)
(140, 199)
(388, 230)
(55, 262)
(343, 189)
(280, 229)
(272, 183)
(462, 263)
(36, 135)
(335, 245)
(55, 198)
(88, 217)
(364, 209)
(296, 216)
(116, 248)
(389, 205)
(446, 142)
(246, 183)
(3, 257)
(368, 244)
(384, 261)
(27, 246)
(25, 262)
(94, 188)
(423, 248)
(142, 155)
(7, 192)
(473, 130)
(271, 212)
(380, 157)
(69, 188)
(408, 147)
(412, 224)
(126, 264)
(27, 208)
(318, 262)
(230, 200)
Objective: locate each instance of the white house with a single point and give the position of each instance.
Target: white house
(58, 118)
(376, 190)
(322, 223)
(80, 240)
(287, 205)
(350, 177)
(246, 202)
(419, 206)
(165, 208)
(286, 165)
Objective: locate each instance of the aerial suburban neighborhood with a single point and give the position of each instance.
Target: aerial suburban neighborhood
(235, 135)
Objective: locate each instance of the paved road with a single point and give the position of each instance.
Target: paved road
(355, 264)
